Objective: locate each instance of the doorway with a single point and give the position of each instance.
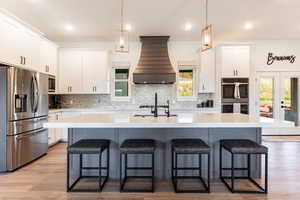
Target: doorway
(278, 97)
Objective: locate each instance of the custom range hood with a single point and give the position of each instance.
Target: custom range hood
(154, 66)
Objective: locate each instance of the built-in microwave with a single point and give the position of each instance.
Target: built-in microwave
(235, 90)
(51, 84)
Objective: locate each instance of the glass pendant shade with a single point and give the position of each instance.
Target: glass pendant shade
(206, 38)
(122, 44)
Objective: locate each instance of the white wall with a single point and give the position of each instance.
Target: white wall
(279, 48)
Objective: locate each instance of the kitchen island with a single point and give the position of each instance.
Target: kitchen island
(211, 128)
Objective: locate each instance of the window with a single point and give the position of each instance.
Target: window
(186, 83)
(121, 83)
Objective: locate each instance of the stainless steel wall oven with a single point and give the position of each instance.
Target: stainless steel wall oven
(235, 95)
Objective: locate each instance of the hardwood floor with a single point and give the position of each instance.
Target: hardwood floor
(45, 179)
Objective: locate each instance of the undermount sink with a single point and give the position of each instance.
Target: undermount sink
(149, 115)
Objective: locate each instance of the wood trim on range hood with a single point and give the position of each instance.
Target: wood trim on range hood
(154, 66)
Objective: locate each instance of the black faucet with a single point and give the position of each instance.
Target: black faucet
(154, 108)
(155, 111)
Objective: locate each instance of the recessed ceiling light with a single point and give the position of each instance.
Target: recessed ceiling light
(69, 27)
(34, 1)
(188, 26)
(248, 26)
(128, 27)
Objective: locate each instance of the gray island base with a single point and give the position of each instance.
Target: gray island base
(163, 136)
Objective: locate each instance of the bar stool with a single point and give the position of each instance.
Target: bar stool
(192, 147)
(137, 147)
(82, 147)
(244, 147)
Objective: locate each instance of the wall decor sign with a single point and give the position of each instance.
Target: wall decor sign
(272, 58)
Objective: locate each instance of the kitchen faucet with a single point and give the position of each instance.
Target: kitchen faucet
(154, 108)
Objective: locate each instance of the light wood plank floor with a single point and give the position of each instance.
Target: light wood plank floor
(45, 179)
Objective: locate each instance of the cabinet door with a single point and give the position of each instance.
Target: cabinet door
(64, 131)
(9, 52)
(242, 57)
(95, 72)
(48, 56)
(29, 46)
(58, 130)
(52, 131)
(228, 61)
(70, 71)
(52, 59)
(207, 72)
(43, 56)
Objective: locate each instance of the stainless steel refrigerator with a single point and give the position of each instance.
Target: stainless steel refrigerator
(23, 110)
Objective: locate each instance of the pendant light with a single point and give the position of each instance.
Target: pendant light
(206, 33)
(122, 44)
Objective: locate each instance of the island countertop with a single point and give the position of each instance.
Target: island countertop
(183, 120)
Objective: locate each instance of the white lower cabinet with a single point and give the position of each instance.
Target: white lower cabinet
(64, 131)
(59, 134)
(54, 134)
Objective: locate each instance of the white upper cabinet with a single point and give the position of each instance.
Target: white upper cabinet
(48, 63)
(95, 72)
(19, 46)
(70, 71)
(8, 43)
(29, 46)
(235, 61)
(83, 71)
(207, 72)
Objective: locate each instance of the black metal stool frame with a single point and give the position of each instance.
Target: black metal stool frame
(248, 169)
(100, 168)
(175, 169)
(123, 180)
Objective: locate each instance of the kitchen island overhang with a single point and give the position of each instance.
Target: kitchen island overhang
(189, 120)
(211, 128)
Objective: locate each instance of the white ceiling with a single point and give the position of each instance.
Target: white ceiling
(100, 19)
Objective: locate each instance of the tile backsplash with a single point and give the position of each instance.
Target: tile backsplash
(141, 95)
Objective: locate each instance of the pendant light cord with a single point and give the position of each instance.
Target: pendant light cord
(206, 12)
(122, 14)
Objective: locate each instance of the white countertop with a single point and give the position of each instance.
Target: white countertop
(146, 111)
(183, 120)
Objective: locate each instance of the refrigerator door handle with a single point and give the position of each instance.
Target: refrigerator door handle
(37, 95)
(32, 88)
(31, 133)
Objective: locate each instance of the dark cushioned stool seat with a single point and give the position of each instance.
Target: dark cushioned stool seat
(138, 145)
(243, 146)
(89, 146)
(190, 145)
